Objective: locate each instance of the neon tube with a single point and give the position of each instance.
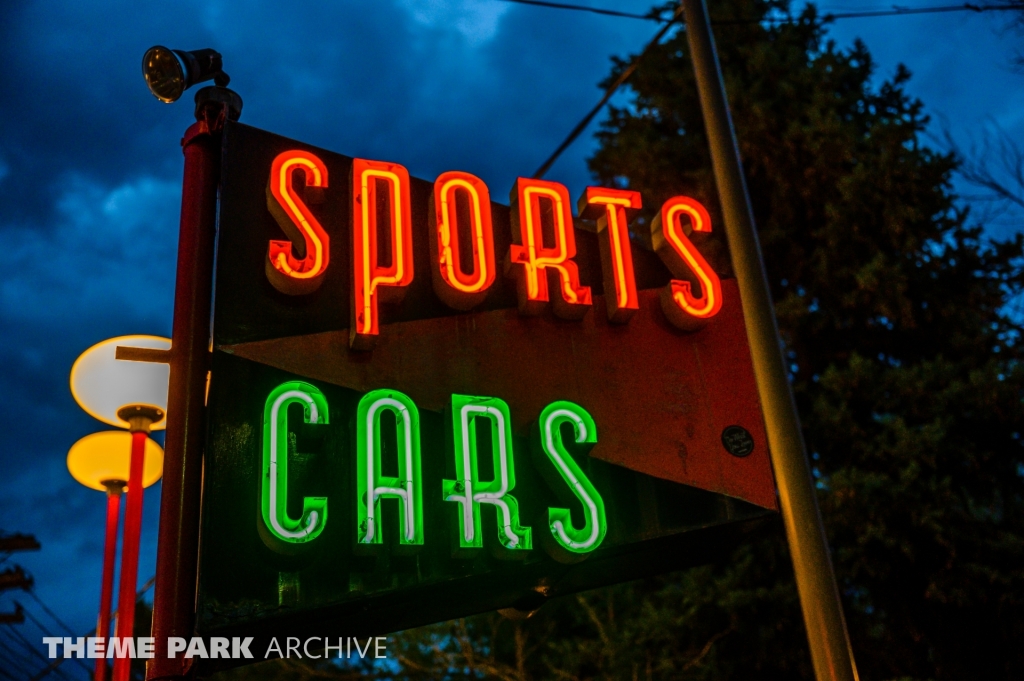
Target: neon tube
(287, 273)
(684, 310)
(367, 273)
(549, 441)
(457, 287)
(608, 207)
(371, 485)
(468, 490)
(530, 260)
(283, 530)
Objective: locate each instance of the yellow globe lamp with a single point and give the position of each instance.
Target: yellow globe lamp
(102, 460)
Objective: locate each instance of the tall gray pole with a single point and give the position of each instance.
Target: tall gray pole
(815, 580)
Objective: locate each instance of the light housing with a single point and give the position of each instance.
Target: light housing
(169, 73)
(102, 384)
(101, 460)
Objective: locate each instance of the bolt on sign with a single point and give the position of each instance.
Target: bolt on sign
(425, 404)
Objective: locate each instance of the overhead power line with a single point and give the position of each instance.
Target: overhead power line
(32, 649)
(623, 77)
(47, 632)
(49, 612)
(14, 659)
(900, 11)
(894, 12)
(677, 17)
(60, 660)
(581, 8)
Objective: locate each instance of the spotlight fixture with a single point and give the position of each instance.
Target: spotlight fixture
(169, 73)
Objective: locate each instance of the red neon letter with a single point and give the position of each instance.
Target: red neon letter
(677, 252)
(532, 202)
(452, 283)
(368, 273)
(287, 273)
(608, 207)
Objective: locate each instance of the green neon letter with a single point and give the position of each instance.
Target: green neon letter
(371, 485)
(274, 494)
(590, 536)
(468, 490)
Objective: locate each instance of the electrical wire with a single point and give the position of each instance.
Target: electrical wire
(22, 641)
(33, 650)
(623, 77)
(6, 675)
(677, 17)
(593, 10)
(16, 658)
(56, 663)
(49, 612)
(47, 632)
(828, 16)
(900, 11)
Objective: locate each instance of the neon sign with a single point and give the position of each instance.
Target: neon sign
(468, 414)
(461, 285)
(534, 203)
(670, 241)
(369, 275)
(468, 490)
(548, 440)
(481, 407)
(288, 274)
(608, 207)
(279, 528)
(372, 485)
(462, 245)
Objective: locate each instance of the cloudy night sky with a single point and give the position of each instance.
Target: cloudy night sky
(90, 172)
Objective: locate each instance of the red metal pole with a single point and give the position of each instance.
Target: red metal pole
(107, 584)
(130, 549)
(178, 546)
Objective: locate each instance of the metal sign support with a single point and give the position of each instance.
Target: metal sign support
(816, 583)
(178, 540)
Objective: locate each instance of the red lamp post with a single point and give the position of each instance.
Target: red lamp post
(140, 419)
(114, 489)
(101, 461)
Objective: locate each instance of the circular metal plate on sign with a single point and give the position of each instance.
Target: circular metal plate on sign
(737, 441)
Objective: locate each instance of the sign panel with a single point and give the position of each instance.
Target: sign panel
(425, 404)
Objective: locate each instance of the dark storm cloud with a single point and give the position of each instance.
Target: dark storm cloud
(433, 86)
